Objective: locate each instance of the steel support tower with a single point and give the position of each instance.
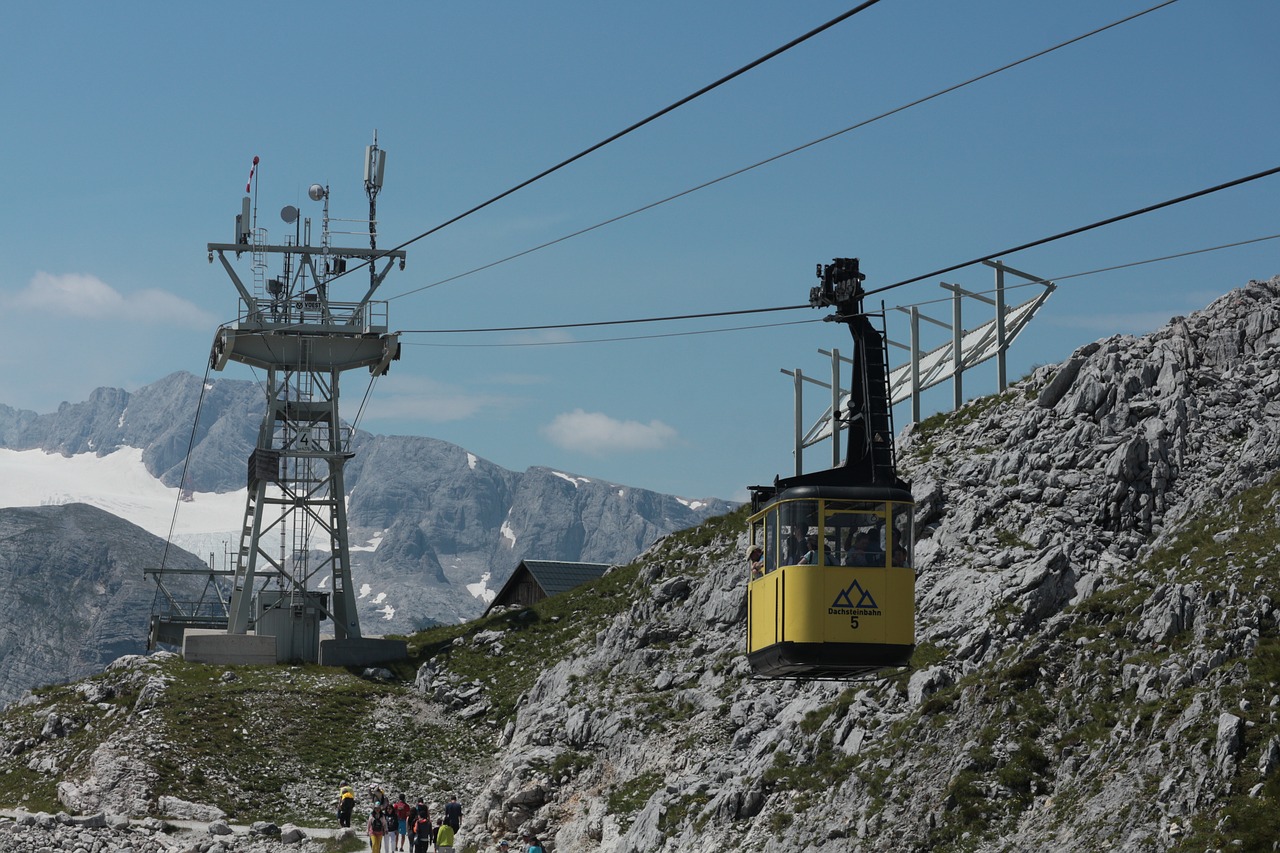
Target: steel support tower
(294, 532)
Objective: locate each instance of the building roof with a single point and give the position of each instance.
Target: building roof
(557, 576)
(553, 576)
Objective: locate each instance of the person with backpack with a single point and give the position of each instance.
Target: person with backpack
(392, 826)
(419, 821)
(346, 802)
(401, 810)
(410, 823)
(535, 846)
(375, 829)
(423, 833)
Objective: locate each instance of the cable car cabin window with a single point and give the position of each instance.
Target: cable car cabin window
(759, 538)
(903, 535)
(862, 534)
(798, 532)
(775, 543)
(858, 530)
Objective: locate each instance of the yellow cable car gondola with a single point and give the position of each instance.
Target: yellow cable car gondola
(831, 592)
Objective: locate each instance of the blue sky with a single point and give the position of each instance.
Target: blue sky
(130, 129)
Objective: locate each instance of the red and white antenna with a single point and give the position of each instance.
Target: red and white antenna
(252, 169)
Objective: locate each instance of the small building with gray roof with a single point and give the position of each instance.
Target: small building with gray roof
(534, 580)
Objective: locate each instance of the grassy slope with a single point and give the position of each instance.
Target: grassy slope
(275, 742)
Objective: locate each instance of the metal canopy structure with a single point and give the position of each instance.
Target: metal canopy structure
(293, 540)
(967, 348)
(208, 611)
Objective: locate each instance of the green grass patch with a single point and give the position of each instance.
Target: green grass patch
(680, 808)
(626, 799)
(567, 764)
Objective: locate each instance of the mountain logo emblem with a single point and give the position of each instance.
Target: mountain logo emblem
(845, 598)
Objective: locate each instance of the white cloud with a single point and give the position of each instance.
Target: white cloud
(78, 295)
(427, 400)
(596, 433)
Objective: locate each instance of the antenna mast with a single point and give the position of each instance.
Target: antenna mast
(290, 327)
(375, 164)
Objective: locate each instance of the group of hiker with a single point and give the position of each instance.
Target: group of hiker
(406, 828)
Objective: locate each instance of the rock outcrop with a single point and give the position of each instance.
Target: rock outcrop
(26, 831)
(1095, 625)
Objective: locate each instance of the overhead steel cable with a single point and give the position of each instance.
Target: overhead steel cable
(919, 304)
(615, 137)
(182, 484)
(991, 256)
(629, 337)
(1058, 279)
(736, 172)
(1082, 229)
(603, 322)
(1175, 256)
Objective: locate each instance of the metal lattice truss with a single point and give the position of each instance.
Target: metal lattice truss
(926, 369)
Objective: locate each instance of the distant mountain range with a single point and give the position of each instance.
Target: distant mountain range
(435, 529)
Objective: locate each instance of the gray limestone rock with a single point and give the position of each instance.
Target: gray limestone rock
(290, 834)
(1227, 745)
(925, 682)
(219, 827)
(183, 809)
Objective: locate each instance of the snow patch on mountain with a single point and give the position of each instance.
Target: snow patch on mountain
(371, 545)
(118, 483)
(480, 589)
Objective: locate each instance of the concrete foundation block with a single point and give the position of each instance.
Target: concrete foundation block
(218, 647)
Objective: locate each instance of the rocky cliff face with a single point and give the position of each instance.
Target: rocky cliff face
(1098, 643)
(1097, 664)
(72, 594)
(445, 518)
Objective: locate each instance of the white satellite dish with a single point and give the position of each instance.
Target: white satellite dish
(316, 192)
(289, 214)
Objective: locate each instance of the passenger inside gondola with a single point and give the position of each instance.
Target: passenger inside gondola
(900, 558)
(859, 554)
(795, 546)
(810, 557)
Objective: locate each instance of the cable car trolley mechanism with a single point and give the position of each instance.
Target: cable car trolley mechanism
(832, 590)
